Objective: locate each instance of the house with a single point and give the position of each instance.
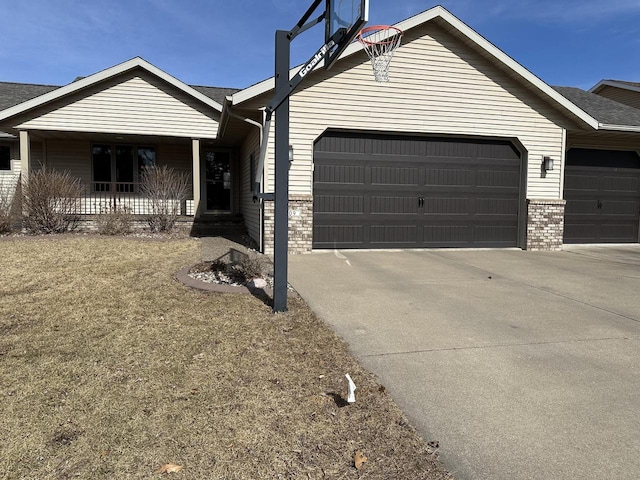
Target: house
(620, 91)
(455, 151)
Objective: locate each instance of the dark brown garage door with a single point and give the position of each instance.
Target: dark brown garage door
(602, 190)
(381, 191)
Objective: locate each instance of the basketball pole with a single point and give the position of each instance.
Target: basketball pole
(284, 87)
(281, 207)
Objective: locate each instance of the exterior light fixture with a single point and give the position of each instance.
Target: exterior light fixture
(547, 164)
(290, 154)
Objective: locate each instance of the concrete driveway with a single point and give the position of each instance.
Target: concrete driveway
(522, 365)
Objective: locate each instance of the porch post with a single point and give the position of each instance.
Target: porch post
(25, 154)
(195, 151)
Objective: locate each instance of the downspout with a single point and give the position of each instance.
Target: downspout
(260, 127)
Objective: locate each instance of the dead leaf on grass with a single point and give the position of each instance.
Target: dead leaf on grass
(169, 468)
(358, 459)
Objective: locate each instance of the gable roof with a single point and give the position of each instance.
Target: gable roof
(633, 86)
(204, 95)
(611, 115)
(455, 25)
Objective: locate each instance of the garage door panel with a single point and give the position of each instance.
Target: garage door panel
(393, 205)
(581, 207)
(497, 206)
(446, 206)
(340, 174)
(619, 232)
(443, 235)
(620, 184)
(602, 190)
(425, 193)
(623, 208)
(493, 234)
(393, 235)
(331, 236)
(334, 204)
(394, 176)
(447, 176)
(575, 182)
(498, 178)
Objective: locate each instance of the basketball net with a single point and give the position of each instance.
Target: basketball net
(380, 42)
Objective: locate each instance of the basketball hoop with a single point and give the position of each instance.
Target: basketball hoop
(380, 42)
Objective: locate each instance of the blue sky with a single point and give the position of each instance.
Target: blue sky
(229, 43)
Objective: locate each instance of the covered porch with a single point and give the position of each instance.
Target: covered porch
(109, 168)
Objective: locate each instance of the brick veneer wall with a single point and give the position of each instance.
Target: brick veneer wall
(300, 224)
(545, 224)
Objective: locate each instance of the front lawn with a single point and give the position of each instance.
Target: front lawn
(109, 368)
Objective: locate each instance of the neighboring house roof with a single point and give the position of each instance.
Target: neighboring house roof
(459, 28)
(633, 86)
(96, 78)
(611, 115)
(12, 94)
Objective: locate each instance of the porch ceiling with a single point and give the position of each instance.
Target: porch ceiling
(37, 135)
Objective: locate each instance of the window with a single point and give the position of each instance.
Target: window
(5, 157)
(118, 167)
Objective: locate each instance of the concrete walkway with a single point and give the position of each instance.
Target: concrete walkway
(522, 365)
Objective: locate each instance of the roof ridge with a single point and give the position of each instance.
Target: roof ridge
(30, 84)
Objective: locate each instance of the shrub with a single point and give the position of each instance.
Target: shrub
(49, 201)
(166, 190)
(252, 266)
(114, 221)
(6, 206)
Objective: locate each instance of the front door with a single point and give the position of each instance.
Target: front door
(218, 181)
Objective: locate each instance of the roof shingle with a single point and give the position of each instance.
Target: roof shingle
(12, 94)
(604, 110)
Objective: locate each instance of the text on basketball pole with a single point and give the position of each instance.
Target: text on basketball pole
(317, 57)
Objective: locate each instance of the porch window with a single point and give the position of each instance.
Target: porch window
(119, 167)
(5, 157)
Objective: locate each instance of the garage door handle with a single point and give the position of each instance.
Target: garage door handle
(421, 201)
(600, 204)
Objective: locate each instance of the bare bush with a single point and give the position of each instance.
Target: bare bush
(166, 190)
(114, 220)
(252, 266)
(49, 200)
(6, 207)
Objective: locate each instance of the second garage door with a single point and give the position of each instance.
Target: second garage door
(602, 190)
(384, 191)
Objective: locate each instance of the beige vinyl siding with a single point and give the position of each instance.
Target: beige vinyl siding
(73, 156)
(37, 155)
(628, 97)
(438, 86)
(175, 156)
(249, 209)
(9, 178)
(134, 103)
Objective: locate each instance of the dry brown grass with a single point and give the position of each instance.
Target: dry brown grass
(109, 368)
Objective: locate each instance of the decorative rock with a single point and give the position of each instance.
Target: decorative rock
(257, 283)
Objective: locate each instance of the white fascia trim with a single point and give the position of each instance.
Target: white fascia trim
(613, 83)
(619, 128)
(78, 85)
(465, 30)
(7, 136)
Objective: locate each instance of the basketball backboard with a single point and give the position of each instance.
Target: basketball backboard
(350, 15)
